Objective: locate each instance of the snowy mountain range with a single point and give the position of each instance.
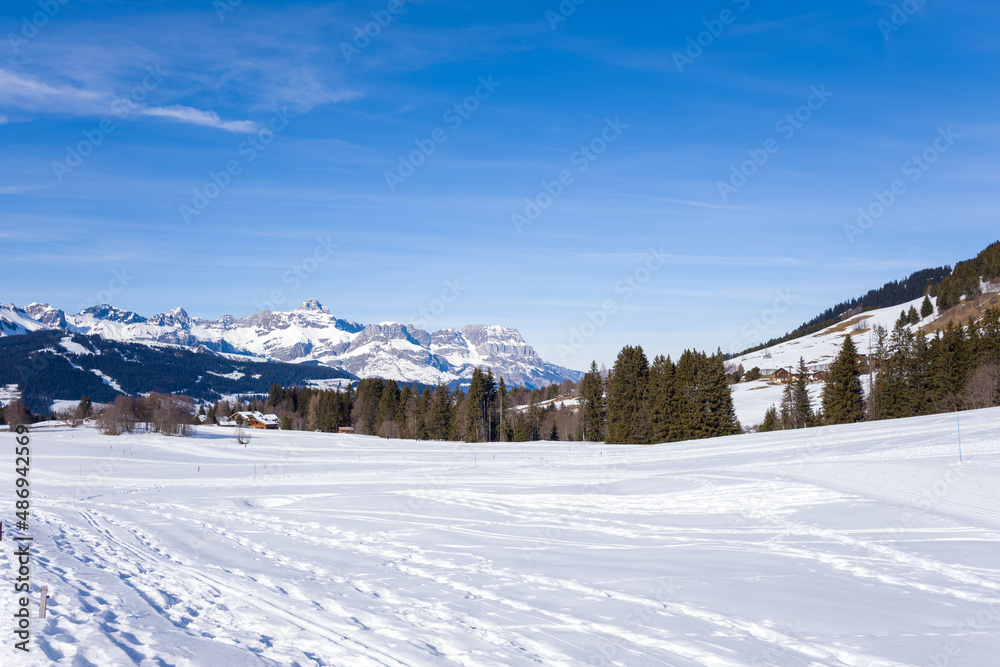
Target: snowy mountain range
(311, 334)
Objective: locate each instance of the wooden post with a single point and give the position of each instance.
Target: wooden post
(45, 599)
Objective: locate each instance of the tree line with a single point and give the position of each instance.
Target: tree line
(638, 402)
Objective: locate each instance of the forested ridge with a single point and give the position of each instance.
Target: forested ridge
(43, 370)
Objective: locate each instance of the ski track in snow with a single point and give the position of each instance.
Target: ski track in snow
(867, 546)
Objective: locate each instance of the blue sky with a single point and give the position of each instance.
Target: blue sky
(643, 110)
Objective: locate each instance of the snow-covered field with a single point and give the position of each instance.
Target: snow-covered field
(862, 545)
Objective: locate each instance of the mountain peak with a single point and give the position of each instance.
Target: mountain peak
(314, 305)
(110, 313)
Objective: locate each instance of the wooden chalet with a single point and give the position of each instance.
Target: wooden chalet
(781, 375)
(253, 419)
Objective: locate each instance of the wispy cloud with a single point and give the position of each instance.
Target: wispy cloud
(17, 189)
(224, 81)
(31, 94)
(19, 91)
(194, 116)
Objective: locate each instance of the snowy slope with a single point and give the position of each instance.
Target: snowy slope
(863, 545)
(751, 399)
(15, 321)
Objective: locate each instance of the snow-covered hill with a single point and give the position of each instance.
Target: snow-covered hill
(751, 399)
(867, 544)
(311, 334)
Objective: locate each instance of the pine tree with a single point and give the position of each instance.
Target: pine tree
(912, 316)
(592, 405)
(504, 422)
(800, 405)
(660, 399)
(771, 420)
(843, 396)
(440, 417)
(926, 308)
(85, 408)
(721, 414)
(787, 404)
(878, 358)
(626, 394)
(477, 412)
(388, 407)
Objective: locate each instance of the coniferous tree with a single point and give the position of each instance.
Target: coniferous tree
(926, 308)
(591, 400)
(801, 405)
(440, 417)
(660, 399)
(843, 396)
(771, 420)
(878, 357)
(626, 395)
(787, 408)
(85, 408)
(912, 316)
(473, 414)
(503, 425)
(719, 399)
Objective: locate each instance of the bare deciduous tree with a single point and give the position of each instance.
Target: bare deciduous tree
(16, 414)
(983, 388)
(118, 417)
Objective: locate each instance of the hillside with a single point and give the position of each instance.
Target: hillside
(49, 365)
(316, 549)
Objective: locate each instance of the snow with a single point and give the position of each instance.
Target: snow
(559, 402)
(9, 393)
(108, 380)
(14, 321)
(752, 399)
(72, 347)
(233, 375)
(867, 544)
